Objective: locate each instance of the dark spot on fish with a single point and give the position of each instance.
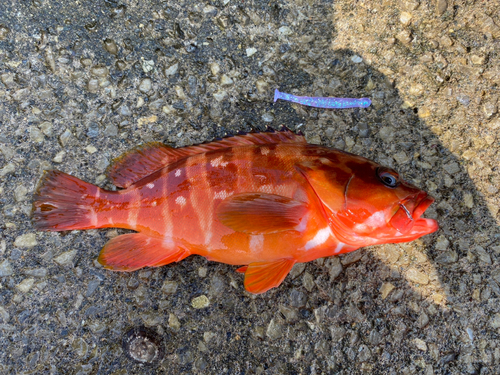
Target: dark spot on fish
(143, 345)
(223, 177)
(47, 207)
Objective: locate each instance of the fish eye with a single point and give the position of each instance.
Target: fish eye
(389, 177)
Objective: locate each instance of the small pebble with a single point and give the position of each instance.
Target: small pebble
(99, 71)
(36, 272)
(66, 258)
(416, 89)
(214, 68)
(111, 130)
(385, 289)
(495, 321)
(386, 133)
(20, 193)
(424, 112)
(404, 37)
(168, 109)
(308, 281)
(297, 298)
(173, 322)
(4, 31)
(169, 286)
(147, 120)
(46, 128)
(93, 85)
(65, 138)
(26, 285)
(251, 51)
(447, 257)
(417, 276)
(8, 169)
(274, 330)
(422, 320)
(220, 95)
(225, 80)
(334, 267)
(441, 6)
(200, 302)
(90, 149)
(20, 94)
(268, 117)
(356, 59)
(483, 255)
(420, 344)
(59, 157)
(8, 152)
(285, 30)
(147, 65)
(121, 65)
(364, 353)
(110, 46)
(145, 85)
(36, 135)
(80, 346)
(92, 287)
(4, 314)
(477, 60)
(133, 283)
(180, 92)
(49, 59)
(352, 257)
(5, 269)
(442, 243)
(172, 70)
(125, 110)
(489, 109)
(202, 271)
(26, 241)
(262, 86)
(464, 100)
(208, 336)
(405, 18)
(452, 168)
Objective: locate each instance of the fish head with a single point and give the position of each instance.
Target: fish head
(367, 203)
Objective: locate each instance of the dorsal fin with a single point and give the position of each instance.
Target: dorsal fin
(151, 157)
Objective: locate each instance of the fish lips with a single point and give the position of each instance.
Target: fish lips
(409, 212)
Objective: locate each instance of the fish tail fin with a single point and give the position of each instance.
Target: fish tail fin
(64, 202)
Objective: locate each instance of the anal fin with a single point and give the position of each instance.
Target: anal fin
(262, 276)
(130, 252)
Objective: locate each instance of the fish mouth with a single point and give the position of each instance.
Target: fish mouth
(409, 212)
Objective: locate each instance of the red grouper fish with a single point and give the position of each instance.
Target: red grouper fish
(261, 200)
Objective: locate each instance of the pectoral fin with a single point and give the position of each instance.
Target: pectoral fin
(130, 252)
(259, 213)
(262, 276)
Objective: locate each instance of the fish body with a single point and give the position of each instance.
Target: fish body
(263, 200)
(323, 102)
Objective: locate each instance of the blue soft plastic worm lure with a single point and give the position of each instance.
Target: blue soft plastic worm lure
(323, 102)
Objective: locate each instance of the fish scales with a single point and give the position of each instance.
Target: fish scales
(262, 200)
(207, 174)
